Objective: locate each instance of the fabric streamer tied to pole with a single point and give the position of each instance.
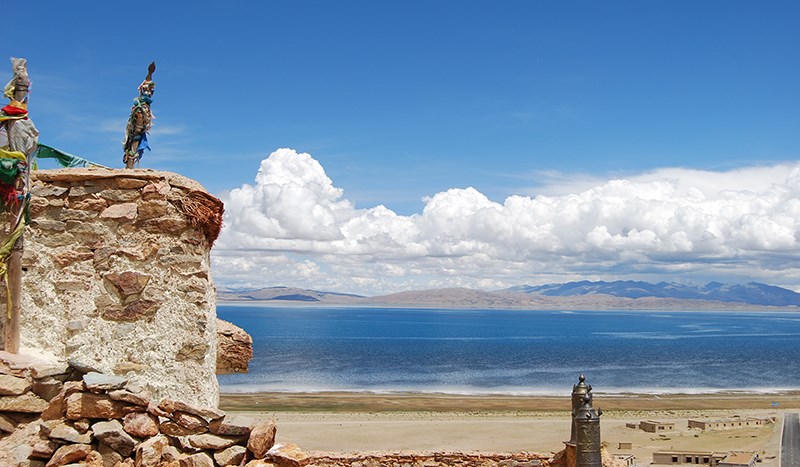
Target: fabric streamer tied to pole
(64, 158)
(5, 254)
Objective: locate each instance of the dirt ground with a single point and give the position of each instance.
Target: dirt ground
(349, 422)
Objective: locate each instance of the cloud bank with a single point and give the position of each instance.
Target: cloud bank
(295, 227)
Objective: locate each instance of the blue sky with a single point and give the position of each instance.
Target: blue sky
(399, 102)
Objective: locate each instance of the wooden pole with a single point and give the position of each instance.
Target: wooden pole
(15, 287)
(14, 278)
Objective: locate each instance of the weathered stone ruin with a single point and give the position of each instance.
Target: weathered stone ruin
(116, 278)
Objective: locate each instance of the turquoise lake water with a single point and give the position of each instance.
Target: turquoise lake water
(513, 351)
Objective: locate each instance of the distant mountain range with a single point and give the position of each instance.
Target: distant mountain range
(583, 295)
(753, 293)
(284, 293)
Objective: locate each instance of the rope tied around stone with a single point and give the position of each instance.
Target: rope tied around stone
(203, 211)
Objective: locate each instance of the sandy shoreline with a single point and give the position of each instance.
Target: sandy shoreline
(405, 422)
(419, 402)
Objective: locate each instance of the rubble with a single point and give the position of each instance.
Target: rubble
(99, 421)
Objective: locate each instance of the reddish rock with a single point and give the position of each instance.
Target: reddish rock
(182, 443)
(120, 211)
(7, 424)
(140, 398)
(88, 405)
(287, 455)
(200, 459)
(262, 438)
(143, 308)
(58, 405)
(171, 454)
(130, 183)
(151, 209)
(130, 408)
(140, 424)
(90, 204)
(211, 441)
(153, 409)
(69, 454)
(16, 448)
(133, 311)
(118, 196)
(171, 428)
(158, 190)
(187, 420)
(234, 348)
(47, 388)
(230, 456)
(22, 365)
(170, 406)
(232, 425)
(103, 258)
(28, 403)
(82, 425)
(259, 463)
(38, 206)
(71, 257)
(13, 386)
(109, 455)
(93, 459)
(44, 449)
(148, 452)
(57, 430)
(127, 283)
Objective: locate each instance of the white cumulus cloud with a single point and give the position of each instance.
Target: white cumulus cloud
(295, 227)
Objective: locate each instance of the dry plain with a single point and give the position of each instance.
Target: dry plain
(349, 422)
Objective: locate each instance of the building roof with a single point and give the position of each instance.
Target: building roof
(691, 453)
(740, 457)
(728, 420)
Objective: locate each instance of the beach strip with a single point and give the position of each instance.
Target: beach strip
(425, 402)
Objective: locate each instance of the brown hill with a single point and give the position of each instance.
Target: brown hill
(468, 298)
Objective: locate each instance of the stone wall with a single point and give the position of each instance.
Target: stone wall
(116, 278)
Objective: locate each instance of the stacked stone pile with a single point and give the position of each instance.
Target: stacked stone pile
(101, 420)
(27, 384)
(52, 415)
